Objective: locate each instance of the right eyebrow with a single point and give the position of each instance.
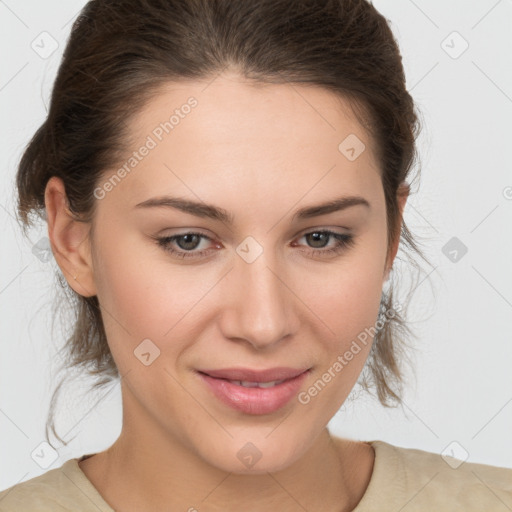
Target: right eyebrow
(186, 205)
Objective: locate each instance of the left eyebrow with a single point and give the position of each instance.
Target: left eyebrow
(334, 205)
(204, 210)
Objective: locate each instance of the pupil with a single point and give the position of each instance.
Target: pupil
(186, 245)
(318, 237)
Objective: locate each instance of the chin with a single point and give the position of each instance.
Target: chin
(256, 454)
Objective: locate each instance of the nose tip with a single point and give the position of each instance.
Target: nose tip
(259, 309)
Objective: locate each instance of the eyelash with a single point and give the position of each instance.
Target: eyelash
(343, 241)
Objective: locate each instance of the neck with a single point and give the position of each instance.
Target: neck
(322, 480)
(145, 470)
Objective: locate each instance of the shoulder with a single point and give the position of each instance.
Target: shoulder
(62, 489)
(430, 481)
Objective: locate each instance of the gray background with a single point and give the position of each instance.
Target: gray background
(460, 401)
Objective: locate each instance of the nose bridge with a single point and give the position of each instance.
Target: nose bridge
(260, 308)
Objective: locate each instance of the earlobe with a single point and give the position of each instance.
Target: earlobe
(69, 238)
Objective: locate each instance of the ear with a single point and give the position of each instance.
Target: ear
(69, 239)
(402, 195)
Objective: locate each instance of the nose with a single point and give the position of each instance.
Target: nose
(260, 304)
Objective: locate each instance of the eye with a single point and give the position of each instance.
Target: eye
(187, 243)
(321, 238)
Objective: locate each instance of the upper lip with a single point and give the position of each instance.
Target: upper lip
(250, 375)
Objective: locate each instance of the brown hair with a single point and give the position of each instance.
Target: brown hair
(121, 51)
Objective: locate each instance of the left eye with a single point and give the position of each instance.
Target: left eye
(188, 242)
(342, 241)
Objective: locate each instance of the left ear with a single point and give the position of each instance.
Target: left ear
(402, 195)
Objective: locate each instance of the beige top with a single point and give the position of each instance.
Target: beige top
(403, 479)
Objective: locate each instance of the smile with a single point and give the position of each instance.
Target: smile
(257, 396)
(247, 384)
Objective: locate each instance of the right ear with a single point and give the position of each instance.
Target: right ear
(69, 239)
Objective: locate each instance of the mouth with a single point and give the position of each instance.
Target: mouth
(254, 392)
(248, 384)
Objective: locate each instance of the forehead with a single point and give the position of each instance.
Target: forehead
(240, 134)
(230, 107)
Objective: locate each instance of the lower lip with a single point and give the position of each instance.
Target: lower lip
(255, 400)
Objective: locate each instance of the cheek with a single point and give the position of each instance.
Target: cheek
(142, 295)
(349, 306)
(345, 297)
(346, 300)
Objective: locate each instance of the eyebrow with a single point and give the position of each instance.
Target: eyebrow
(200, 209)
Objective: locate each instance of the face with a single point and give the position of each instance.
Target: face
(242, 280)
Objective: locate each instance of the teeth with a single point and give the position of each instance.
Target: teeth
(269, 384)
(247, 384)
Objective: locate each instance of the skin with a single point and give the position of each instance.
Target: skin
(260, 152)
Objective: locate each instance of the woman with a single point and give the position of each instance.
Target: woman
(224, 183)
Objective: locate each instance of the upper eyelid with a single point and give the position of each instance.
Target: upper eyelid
(305, 231)
(331, 231)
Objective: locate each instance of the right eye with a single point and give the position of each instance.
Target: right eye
(186, 243)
